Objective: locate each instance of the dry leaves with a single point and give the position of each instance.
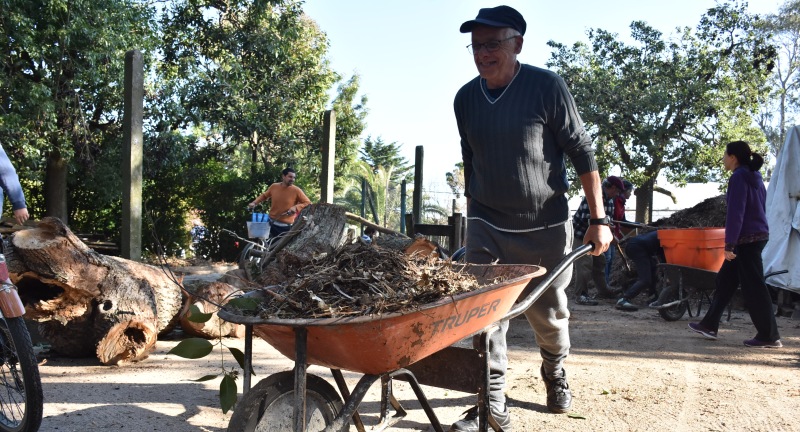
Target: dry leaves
(361, 279)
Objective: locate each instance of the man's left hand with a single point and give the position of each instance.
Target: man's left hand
(600, 236)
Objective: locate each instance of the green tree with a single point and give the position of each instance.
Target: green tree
(61, 90)
(378, 153)
(781, 107)
(667, 106)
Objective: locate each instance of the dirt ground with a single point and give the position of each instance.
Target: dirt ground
(629, 371)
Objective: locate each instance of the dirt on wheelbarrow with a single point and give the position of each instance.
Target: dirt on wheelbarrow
(628, 371)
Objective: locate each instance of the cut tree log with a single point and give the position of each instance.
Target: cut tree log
(88, 303)
(208, 298)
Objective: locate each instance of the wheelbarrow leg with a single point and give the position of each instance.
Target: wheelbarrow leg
(351, 403)
(300, 340)
(340, 382)
(481, 343)
(409, 377)
(248, 357)
(387, 398)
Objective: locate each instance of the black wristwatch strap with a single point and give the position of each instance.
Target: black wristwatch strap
(602, 221)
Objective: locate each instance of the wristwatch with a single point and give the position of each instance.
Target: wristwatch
(605, 220)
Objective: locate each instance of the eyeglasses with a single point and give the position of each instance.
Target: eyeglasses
(490, 46)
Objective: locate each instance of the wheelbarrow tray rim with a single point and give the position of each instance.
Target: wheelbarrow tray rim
(381, 343)
(231, 316)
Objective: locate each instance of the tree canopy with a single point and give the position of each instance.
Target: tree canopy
(668, 105)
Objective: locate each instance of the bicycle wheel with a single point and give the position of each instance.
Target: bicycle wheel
(252, 254)
(20, 386)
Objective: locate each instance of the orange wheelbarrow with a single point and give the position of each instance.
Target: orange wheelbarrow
(415, 347)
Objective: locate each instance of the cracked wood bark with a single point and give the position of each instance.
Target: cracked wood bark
(88, 303)
(207, 298)
(320, 229)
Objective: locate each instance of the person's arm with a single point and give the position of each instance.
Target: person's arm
(302, 202)
(9, 181)
(261, 198)
(599, 235)
(737, 190)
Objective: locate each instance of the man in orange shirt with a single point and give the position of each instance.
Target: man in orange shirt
(287, 201)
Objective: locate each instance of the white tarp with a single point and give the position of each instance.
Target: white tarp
(782, 251)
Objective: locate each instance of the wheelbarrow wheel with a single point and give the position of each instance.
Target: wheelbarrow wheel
(269, 405)
(668, 294)
(673, 313)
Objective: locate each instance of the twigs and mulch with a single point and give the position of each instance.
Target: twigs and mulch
(361, 279)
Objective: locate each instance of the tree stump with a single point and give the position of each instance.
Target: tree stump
(207, 298)
(88, 303)
(321, 229)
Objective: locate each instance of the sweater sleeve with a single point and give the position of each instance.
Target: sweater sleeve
(737, 199)
(9, 181)
(302, 201)
(568, 127)
(466, 150)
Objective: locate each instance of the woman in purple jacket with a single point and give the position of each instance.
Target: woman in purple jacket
(746, 233)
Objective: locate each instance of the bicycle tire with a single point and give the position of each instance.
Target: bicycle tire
(21, 399)
(248, 257)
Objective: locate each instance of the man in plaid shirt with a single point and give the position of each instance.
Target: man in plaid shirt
(590, 266)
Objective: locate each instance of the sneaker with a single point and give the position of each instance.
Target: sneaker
(470, 421)
(755, 343)
(586, 301)
(625, 305)
(708, 334)
(559, 398)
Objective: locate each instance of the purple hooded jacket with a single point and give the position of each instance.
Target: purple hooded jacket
(746, 220)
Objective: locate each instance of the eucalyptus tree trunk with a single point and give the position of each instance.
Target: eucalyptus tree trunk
(55, 186)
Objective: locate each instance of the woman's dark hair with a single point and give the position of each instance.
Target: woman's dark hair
(741, 150)
(287, 171)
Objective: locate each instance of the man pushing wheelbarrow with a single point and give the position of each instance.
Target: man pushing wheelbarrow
(516, 123)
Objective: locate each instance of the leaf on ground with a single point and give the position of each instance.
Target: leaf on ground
(576, 416)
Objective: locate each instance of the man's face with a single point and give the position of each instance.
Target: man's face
(288, 179)
(496, 67)
(612, 192)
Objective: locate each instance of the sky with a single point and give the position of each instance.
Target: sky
(412, 59)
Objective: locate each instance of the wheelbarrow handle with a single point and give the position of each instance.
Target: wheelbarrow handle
(630, 224)
(544, 285)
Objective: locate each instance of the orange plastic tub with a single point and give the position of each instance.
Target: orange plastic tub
(702, 248)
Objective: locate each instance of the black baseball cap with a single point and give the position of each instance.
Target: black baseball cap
(500, 16)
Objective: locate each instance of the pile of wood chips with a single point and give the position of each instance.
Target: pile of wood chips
(362, 280)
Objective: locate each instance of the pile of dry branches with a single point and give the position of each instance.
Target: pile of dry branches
(361, 279)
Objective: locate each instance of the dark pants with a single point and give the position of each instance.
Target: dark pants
(641, 250)
(276, 231)
(746, 269)
(589, 267)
